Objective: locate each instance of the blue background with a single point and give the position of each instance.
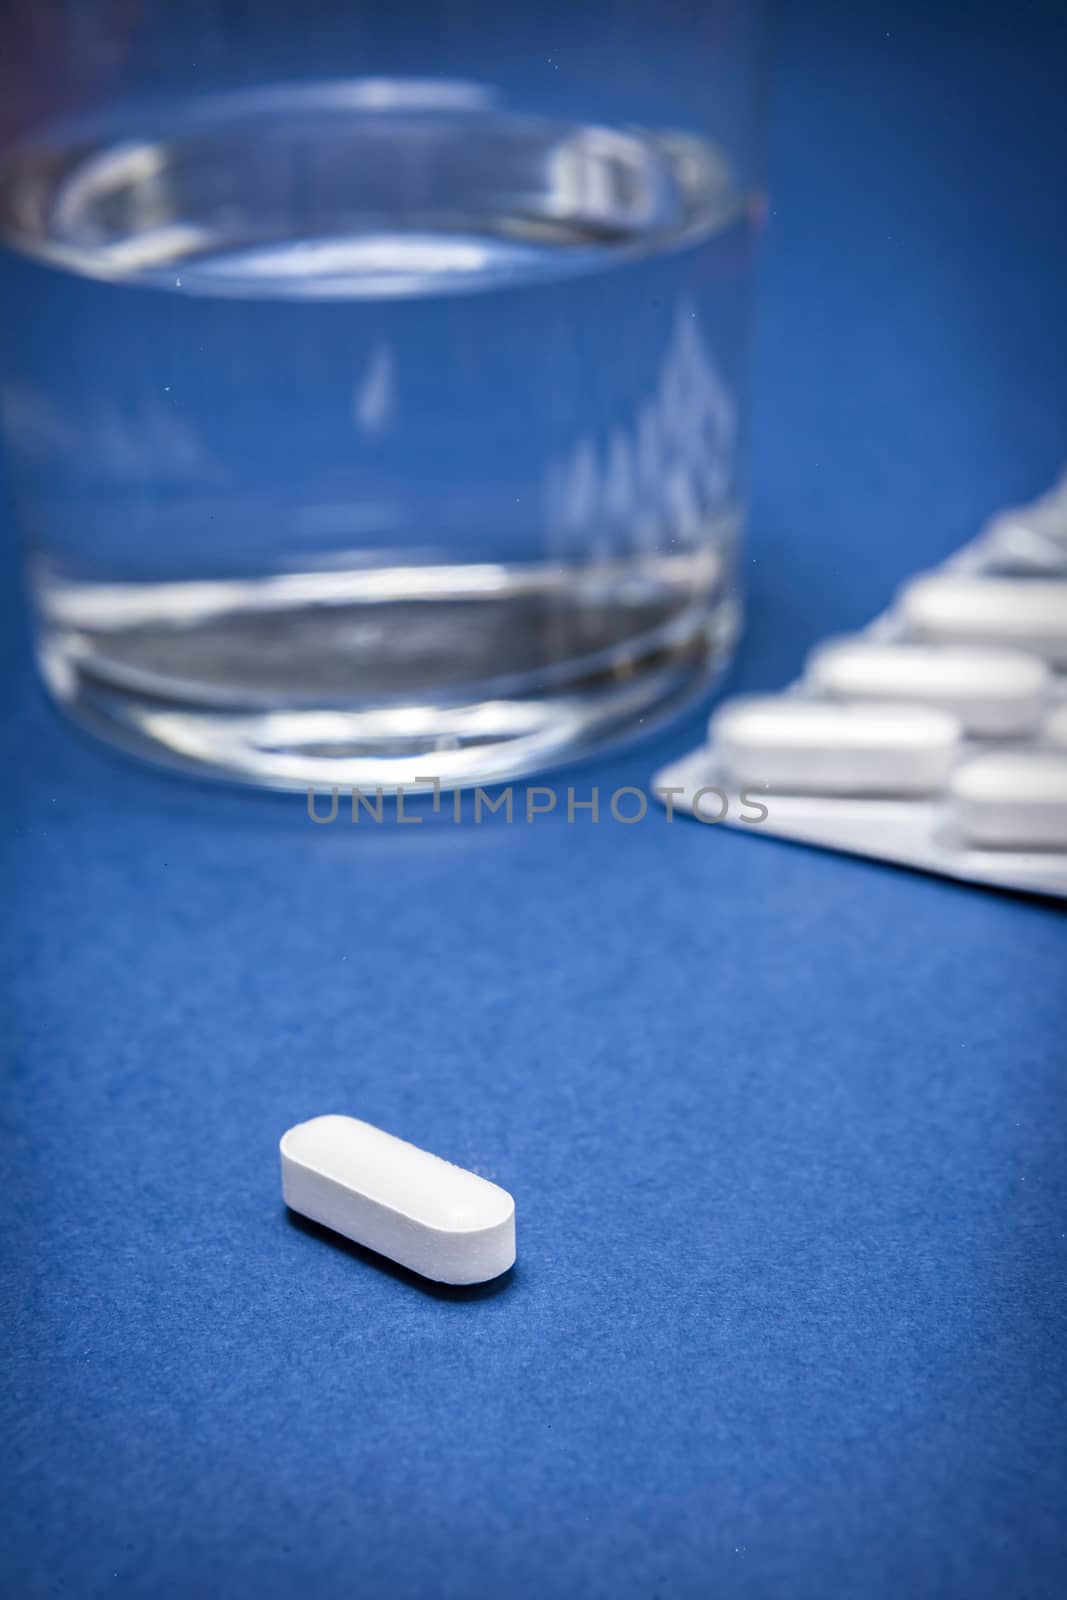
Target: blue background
(786, 1130)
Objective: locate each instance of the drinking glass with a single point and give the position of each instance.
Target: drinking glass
(372, 390)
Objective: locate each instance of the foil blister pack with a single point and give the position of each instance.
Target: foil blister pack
(936, 738)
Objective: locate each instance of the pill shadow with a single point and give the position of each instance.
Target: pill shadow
(371, 1258)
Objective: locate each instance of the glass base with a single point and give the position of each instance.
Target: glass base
(321, 680)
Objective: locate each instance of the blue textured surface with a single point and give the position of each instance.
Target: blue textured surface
(786, 1131)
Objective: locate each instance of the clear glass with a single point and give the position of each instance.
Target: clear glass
(372, 394)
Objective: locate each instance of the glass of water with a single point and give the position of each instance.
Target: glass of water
(372, 393)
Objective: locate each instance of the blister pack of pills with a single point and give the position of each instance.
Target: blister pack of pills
(936, 738)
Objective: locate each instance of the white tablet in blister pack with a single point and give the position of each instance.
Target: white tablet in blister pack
(936, 738)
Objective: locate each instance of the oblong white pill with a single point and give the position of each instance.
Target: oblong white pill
(812, 747)
(1013, 800)
(440, 1220)
(996, 693)
(1029, 613)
